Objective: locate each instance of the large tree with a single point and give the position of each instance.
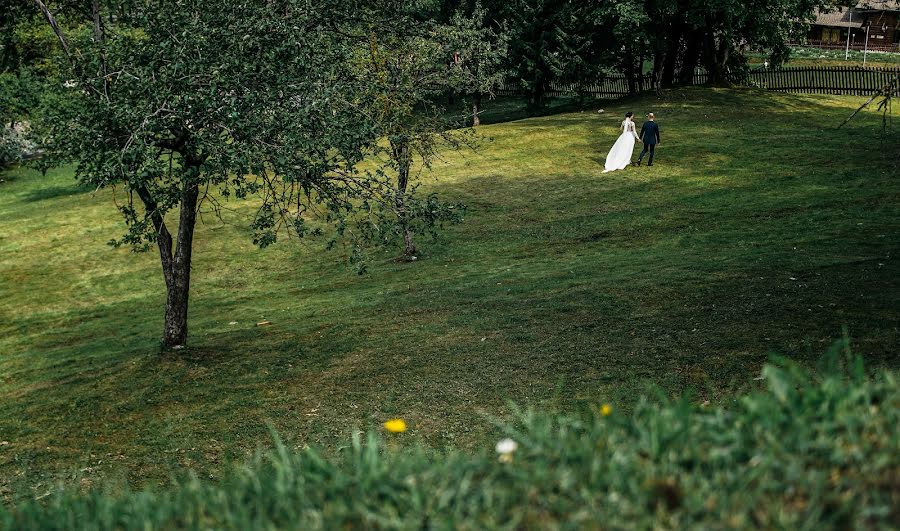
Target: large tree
(478, 53)
(539, 45)
(565, 41)
(714, 33)
(407, 67)
(626, 26)
(184, 103)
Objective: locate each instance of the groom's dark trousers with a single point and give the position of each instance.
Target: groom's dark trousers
(647, 147)
(650, 137)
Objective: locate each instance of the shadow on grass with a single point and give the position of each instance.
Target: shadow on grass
(514, 108)
(55, 192)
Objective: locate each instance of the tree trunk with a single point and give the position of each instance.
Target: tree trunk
(667, 79)
(691, 56)
(640, 72)
(539, 97)
(711, 59)
(98, 21)
(178, 289)
(538, 90)
(54, 26)
(176, 263)
(709, 62)
(175, 329)
(410, 247)
(403, 159)
(629, 71)
(656, 77)
(476, 109)
(670, 61)
(99, 38)
(723, 55)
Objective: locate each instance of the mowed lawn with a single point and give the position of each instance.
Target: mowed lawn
(761, 229)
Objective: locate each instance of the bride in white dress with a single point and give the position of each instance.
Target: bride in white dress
(620, 155)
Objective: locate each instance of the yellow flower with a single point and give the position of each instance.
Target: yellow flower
(606, 410)
(395, 425)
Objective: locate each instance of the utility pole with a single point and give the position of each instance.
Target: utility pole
(849, 30)
(866, 51)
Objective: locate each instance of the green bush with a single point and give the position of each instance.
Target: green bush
(17, 98)
(813, 450)
(14, 145)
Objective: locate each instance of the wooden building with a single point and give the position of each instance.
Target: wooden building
(880, 18)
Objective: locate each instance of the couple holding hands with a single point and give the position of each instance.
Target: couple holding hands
(620, 155)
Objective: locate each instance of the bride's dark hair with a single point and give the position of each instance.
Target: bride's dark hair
(629, 114)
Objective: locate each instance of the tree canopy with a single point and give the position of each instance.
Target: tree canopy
(192, 102)
(185, 104)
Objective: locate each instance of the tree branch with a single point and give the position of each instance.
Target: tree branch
(52, 21)
(98, 38)
(887, 91)
(65, 46)
(163, 237)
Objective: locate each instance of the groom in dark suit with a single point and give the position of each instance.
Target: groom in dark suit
(650, 138)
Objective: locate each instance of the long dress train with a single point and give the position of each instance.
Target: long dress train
(619, 156)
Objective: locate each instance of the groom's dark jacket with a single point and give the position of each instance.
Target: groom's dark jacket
(650, 133)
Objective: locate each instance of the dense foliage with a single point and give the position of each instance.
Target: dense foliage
(187, 104)
(21, 65)
(580, 41)
(478, 53)
(406, 67)
(192, 102)
(16, 98)
(808, 452)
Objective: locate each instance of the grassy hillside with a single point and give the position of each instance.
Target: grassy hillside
(762, 228)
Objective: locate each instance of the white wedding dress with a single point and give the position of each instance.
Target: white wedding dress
(620, 155)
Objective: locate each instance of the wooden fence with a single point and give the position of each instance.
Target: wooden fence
(858, 81)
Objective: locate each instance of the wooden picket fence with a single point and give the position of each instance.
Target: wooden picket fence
(857, 81)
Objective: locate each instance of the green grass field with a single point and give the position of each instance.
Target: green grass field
(762, 228)
(821, 57)
(807, 451)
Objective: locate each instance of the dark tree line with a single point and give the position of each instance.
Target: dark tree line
(581, 41)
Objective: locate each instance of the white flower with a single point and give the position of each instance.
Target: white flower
(507, 446)
(70, 83)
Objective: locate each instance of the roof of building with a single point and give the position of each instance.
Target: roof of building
(853, 17)
(844, 18)
(879, 5)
